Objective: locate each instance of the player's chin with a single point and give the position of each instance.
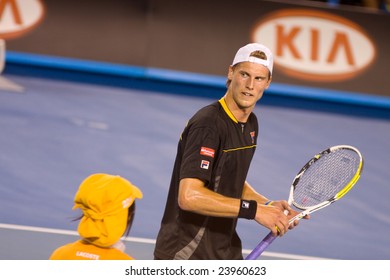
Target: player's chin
(246, 104)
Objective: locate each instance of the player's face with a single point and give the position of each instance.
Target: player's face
(248, 82)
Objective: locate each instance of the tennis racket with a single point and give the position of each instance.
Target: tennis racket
(325, 178)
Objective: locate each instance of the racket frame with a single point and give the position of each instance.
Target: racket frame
(340, 194)
(262, 246)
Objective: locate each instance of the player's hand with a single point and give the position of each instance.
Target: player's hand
(273, 218)
(291, 213)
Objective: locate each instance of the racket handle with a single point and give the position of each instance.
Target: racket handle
(260, 248)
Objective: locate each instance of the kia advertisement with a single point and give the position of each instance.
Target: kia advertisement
(314, 45)
(18, 17)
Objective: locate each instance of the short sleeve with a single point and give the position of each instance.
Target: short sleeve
(200, 153)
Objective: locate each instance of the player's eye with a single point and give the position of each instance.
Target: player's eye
(260, 79)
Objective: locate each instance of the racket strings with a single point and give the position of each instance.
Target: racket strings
(325, 178)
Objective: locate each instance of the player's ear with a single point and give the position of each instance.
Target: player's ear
(230, 73)
(269, 82)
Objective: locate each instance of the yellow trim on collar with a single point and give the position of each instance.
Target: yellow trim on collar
(226, 109)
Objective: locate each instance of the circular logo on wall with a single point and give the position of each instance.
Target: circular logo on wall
(18, 17)
(315, 45)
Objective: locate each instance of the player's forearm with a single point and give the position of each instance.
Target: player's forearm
(194, 197)
(249, 193)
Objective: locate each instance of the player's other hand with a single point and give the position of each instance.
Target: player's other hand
(273, 218)
(291, 213)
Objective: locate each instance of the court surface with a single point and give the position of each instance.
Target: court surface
(55, 133)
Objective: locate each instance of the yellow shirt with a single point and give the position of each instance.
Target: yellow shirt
(80, 250)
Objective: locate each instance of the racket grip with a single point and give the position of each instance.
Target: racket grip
(260, 248)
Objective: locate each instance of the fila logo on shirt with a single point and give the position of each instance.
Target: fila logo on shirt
(205, 164)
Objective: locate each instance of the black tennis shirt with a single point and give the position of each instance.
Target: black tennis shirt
(215, 148)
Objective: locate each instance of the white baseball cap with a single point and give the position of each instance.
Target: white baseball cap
(244, 54)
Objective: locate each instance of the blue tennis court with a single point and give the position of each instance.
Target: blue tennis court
(55, 133)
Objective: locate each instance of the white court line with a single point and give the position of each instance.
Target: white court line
(67, 232)
(6, 84)
(148, 241)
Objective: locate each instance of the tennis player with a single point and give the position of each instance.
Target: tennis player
(108, 206)
(208, 190)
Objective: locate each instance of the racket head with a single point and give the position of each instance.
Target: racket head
(326, 177)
